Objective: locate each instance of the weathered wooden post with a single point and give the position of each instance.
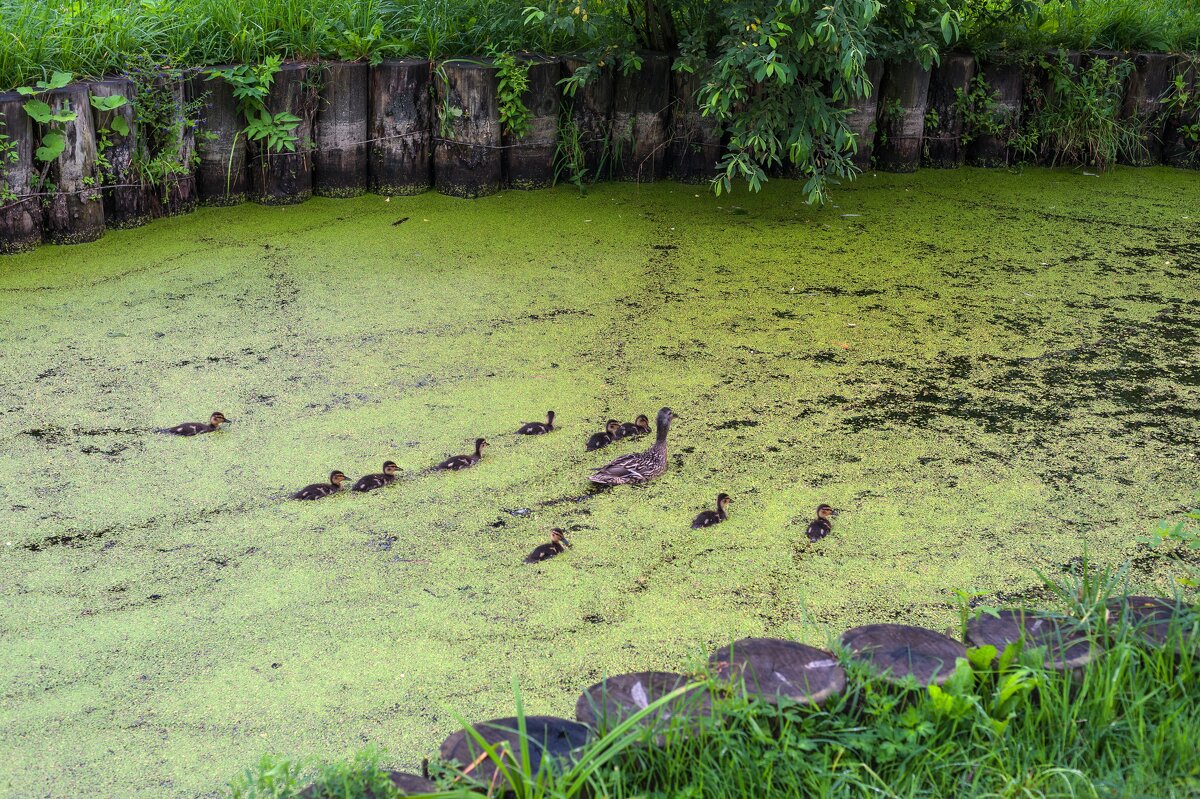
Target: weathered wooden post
(466, 160)
(285, 177)
(863, 119)
(902, 116)
(529, 159)
(896, 652)
(124, 195)
(547, 739)
(944, 120)
(221, 177)
(614, 699)
(401, 127)
(591, 117)
(1178, 149)
(20, 214)
(1006, 81)
(75, 213)
(775, 669)
(695, 139)
(340, 155)
(1145, 106)
(1044, 91)
(641, 108)
(1067, 647)
(179, 194)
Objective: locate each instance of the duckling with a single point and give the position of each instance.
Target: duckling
(605, 438)
(639, 427)
(373, 481)
(538, 428)
(558, 538)
(196, 428)
(820, 526)
(459, 462)
(710, 517)
(319, 490)
(638, 467)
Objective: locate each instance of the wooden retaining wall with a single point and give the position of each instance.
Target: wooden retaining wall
(404, 126)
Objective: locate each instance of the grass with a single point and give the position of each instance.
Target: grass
(1002, 726)
(985, 372)
(1126, 25)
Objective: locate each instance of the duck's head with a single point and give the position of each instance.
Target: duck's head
(390, 468)
(825, 512)
(642, 422)
(723, 501)
(549, 417)
(612, 426)
(559, 536)
(337, 477)
(480, 443)
(217, 419)
(665, 417)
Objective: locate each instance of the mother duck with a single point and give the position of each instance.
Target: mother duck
(638, 467)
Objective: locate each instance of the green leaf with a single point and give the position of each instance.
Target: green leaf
(52, 147)
(111, 103)
(57, 81)
(981, 657)
(38, 110)
(120, 125)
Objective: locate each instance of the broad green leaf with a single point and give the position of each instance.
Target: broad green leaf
(120, 125)
(52, 147)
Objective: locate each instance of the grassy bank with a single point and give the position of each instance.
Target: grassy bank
(985, 372)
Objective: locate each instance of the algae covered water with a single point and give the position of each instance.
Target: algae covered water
(986, 373)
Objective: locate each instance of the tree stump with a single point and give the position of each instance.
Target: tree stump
(695, 139)
(1067, 647)
(529, 159)
(897, 652)
(124, 196)
(221, 177)
(466, 160)
(548, 737)
(641, 111)
(178, 195)
(285, 178)
(1007, 82)
(944, 126)
(774, 669)
(340, 130)
(1145, 91)
(76, 211)
(902, 116)
(863, 119)
(1155, 619)
(1045, 91)
(20, 214)
(406, 784)
(591, 117)
(1178, 149)
(401, 128)
(609, 702)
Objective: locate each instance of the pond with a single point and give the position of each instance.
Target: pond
(986, 373)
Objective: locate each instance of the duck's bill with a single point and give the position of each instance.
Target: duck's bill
(565, 541)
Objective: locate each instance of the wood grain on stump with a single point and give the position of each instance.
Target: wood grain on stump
(695, 139)
(775, 669)
(1154, 619)
(221, 177)
(20, 214)
(1178, 150)
(340, 130)
(548, 737)
(641, 111)
(1067, 646)
(1145, 91)
(591, 113)
(178, 195)
(76, 212)
(401, 128)
(125, 198)
(1007, 83)
(609, 702)
(902, 103)
(466, 158)
(285, 178)
(863, 119)
(529, 159)
(943, 135)
(406, 784)
(897, 651)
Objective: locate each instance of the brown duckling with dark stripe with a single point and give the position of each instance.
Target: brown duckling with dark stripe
(604, 438)
(537, 428)
(638, 427)
(822, 525)
(710, 517)
(558, 543)
(321, 490)
(196, 428)
(460, 462)
(373, 481)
